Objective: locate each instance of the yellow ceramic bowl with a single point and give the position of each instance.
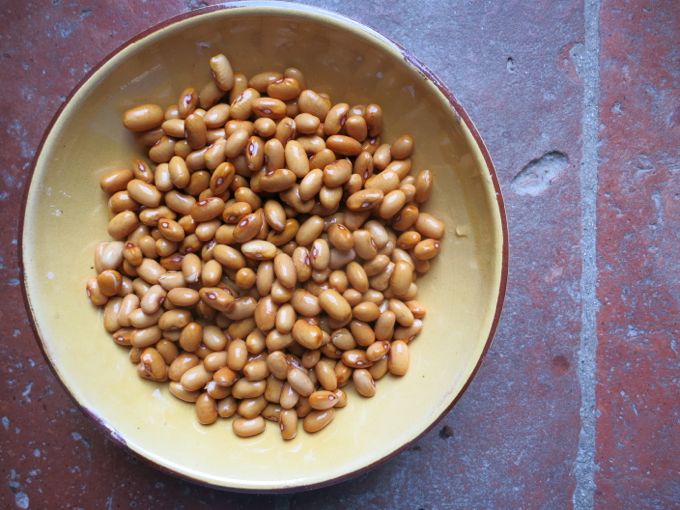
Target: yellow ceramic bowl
(66, 215)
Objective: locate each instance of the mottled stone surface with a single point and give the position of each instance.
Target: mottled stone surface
(638, 447)
(512, 441)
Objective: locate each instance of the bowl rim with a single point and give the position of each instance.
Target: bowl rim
(412, 61)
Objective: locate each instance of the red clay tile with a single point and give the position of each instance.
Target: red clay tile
(638, 450)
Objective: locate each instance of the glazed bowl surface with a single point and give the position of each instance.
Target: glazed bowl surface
(66, 216)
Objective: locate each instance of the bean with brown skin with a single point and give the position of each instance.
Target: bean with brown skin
(306, 123)
(366, 312)
(343, 373)
(122, 224)
(215, 361)
(401, 279)
(305, 303)
(122, 201)
(187, 102)
(402, 147)
(343, 145)
(319, 255)
(183, 296)
(251, 408)
(309, 230)
(355, 127)
(364, 245)
(247, 389)
(195, 378)
(308, 335)
(338, 281)
(216, 391)
(259, 250)
(236, 143)
(152, 365)
(409, 333)
(226, 407)
(335, 305)
(149, 138)
(269, 107)
(222, 178)
(362, 333)
(382, 157)
(248, 226)
(321, 158)
(323, 399)
(229, 257)
(378, 232)
(181, 364)
(398, 361)
(261, 81)
(277, 365)
(284, 88)
(363, 382)
(162, 150)
(391, 204)
(216, 116)
(325, 374)
(337, 173)
(340, 237)
(406, 218)
(288, 421)
(317, 420)
(302, 262)
(311, 184)
(143, 118)
(225, 376)
(248, 427)
(429, 226)
(206, 409)
(311, 102)
(115, 180)
(179, 202)
(178, 391)
(173, 127)
(423, 186)
(174, 319)
(384, 326)
(209, 94)
(242, 106)
(285, 318)
(170, 230)
(234, 211)
(417, 309)
(335, 119)
(275, 215)
(300, 382)
(374, 119)
(364, 200)
(109, 282)
(127, 305)
(427, 249)
(191, 266)
(356, 358)
(408, 240)
(153, 299)
(222, 72)
(111, 313)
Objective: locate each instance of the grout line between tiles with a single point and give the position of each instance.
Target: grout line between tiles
(585, 465)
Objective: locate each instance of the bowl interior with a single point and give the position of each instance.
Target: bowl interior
(66, 216)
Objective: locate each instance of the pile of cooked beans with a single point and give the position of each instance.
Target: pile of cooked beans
(268, 254)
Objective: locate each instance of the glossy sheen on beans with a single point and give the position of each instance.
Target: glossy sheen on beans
(269, 254)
